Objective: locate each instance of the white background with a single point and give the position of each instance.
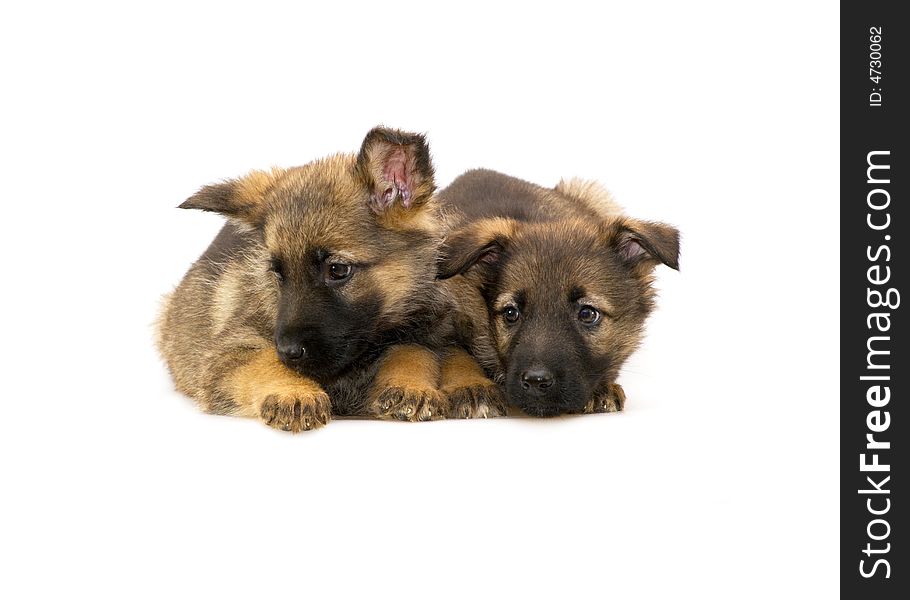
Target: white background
(719, 480)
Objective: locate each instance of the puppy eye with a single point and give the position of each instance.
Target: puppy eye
(510, 314)
(338, 272)
(588, 315)
(276, 269)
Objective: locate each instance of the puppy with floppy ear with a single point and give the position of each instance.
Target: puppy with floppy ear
(318, 296)
(552, 287)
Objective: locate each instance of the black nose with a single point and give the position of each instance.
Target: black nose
(536, 379)
(290, 349)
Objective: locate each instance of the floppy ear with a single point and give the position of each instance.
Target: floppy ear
(396, 167)
(240, 199)
(646, 243)
(479, 244)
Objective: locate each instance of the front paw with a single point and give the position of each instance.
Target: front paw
(409, 404)
(295, 412)
(477, 401)
(611, 399)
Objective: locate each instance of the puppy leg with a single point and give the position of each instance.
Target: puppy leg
(260, 386)
(610, 398)
(405, 386)
(470, 393)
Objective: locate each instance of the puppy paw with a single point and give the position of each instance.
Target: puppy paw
(478, 401)
(612, 399)
(296, 412)
(409, 404)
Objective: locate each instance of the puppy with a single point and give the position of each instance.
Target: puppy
(318, 297)
(552, 287)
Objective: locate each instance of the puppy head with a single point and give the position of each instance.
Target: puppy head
(566, 301)
(347, 241)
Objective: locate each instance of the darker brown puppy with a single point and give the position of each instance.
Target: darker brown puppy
(319, 295)
(553, 287)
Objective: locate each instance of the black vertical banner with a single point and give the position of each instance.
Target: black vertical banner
(875, 371)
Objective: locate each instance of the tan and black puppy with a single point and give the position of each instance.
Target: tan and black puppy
(319, 295)
(553, 287)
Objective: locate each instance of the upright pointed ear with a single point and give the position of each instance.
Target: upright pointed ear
(396, 167)
(478, 245)
(646, 243)
(241, 200)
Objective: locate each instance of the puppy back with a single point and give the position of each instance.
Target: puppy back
(482, 193)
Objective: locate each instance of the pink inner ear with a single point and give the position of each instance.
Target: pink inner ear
(631, 250)
(395, 171)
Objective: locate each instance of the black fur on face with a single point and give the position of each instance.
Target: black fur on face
(563, 315)
(566, 303)
(550, 360)
(319, 332)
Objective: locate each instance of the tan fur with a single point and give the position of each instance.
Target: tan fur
(592, 194)
(460, 369)
(263, 380)
(408, 366)
(406, 385)
(396, 277)
(257, 184)
(611, 399)
(228, 294)
(470, 393)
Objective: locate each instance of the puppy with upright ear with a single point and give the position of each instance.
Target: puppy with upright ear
(318, 297)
